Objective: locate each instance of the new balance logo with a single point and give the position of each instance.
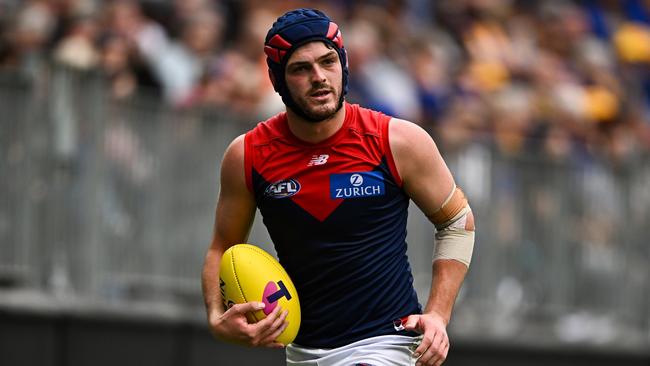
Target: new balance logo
(318, 160)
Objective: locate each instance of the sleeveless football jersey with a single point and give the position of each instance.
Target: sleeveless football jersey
(337, 214)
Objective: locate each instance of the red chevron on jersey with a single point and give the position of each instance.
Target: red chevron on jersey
(305, 173)
(339, 207)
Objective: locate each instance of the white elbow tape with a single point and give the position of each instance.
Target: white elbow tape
(455, 241)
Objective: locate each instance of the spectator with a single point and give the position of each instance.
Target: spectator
(77, 49)
(116, 62)
(179, 65)
(375, 71)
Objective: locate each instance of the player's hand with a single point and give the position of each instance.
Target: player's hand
(233, 326)
(434, 347)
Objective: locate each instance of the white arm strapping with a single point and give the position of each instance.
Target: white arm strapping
(453, 241)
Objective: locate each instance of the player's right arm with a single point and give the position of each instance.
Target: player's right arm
(234, 216)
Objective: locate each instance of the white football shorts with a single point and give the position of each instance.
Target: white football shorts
(388, 350)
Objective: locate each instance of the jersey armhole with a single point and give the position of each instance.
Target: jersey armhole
(248, 161)
(388, 152)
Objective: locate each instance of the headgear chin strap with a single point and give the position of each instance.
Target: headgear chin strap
(292, 30)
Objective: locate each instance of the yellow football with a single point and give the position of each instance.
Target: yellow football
(248, 273)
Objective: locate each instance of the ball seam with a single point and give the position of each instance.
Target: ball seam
(234, 271)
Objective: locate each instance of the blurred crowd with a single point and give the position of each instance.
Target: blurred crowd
(566, 79)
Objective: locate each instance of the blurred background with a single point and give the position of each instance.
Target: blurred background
(114, 116)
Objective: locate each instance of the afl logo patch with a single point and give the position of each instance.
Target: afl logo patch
(357, 185)
(282, 189)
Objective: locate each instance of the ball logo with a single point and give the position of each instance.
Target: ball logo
(272, 294)
(283, 189)
(356, 180)
(227, 303)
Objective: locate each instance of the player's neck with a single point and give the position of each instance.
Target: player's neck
(314, 132)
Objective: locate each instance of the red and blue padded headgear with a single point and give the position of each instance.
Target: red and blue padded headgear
(292, 30)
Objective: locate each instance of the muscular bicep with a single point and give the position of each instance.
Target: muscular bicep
(235, 207)
(429, 183)
(234, 215)
(425, 176)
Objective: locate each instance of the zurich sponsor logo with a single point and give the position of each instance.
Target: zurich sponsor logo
(357, 185)
(282, 189)
(356, 180)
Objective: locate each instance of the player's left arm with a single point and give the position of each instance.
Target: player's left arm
(429, 183)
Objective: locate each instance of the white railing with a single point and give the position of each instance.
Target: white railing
(115, 202)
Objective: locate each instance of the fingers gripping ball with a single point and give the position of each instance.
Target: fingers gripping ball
(248, 273)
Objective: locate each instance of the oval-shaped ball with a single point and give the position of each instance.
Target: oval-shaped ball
(248, 273)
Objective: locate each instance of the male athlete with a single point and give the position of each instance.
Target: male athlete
(333, 182)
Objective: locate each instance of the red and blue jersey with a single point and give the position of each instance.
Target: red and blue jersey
(336, 213)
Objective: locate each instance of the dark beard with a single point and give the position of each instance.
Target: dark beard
(317, 118)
